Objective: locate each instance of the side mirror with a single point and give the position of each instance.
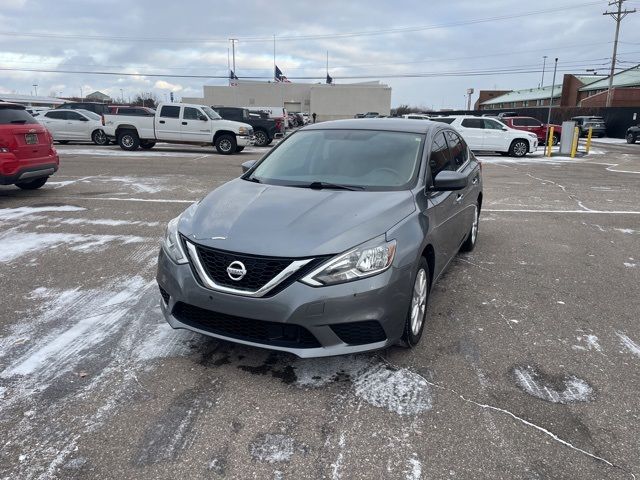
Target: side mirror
(504, 129)
(202, 118)
(447, 181)
(246, 166)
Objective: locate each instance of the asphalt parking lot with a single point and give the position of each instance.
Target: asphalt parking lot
(529, 367)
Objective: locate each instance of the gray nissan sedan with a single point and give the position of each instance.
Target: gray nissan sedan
(330, 243)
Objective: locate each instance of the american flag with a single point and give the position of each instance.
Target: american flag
(279, 76)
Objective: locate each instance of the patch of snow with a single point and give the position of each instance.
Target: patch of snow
(13, 213)
(626, 231)
(414, 470)
(102, 221)
(121, 153)
(16, 245)
(591, 342)
(575, 389)
(272, 448)
(3, 391)
(629, 344)
(630, 265)
(398, 390)
(165, 342)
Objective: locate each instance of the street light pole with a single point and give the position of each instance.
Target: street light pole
(553, 84)
(544, 62)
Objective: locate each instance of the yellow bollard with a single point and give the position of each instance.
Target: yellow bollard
(574, 145)
(549, 142)
(589, 140)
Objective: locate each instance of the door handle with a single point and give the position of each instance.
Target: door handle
(184, 123)
(161, 121)
(459, 197)
(475, 181)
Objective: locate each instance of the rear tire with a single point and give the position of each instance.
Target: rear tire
(128, 140)
(32, 184)
(472, 237)
(519, 148)
(99, 138)
(262, 139)
(147, 145)
(631, 138)
(417, 314)
(226, 144)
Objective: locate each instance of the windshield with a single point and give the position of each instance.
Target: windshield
(370, 159)
(213, 115)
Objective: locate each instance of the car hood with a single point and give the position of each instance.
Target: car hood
(230, 125)
(272, 220)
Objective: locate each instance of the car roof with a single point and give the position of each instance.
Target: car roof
(11, 105)
(388, 124)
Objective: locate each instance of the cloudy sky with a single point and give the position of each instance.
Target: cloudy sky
(429, 52)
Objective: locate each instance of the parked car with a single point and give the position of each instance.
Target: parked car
(294, 120)
(533, 125)
(129, 110)
(336, 255)
(264, 129)
(507, 114)
(27, 155)
(35, 111)
(306, 117)
(416, 116)
(584, 123)
(279, 114)
(633, 133)
(491, 135)
(95, 107)
(179, 123)
(74, 125)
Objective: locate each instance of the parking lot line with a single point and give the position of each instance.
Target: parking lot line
(603, 212)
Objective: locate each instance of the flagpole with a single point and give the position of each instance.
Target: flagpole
(229, 66)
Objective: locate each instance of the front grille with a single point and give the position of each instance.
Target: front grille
(164, 294)
(359, 333)
(260, 270)
(257, 331)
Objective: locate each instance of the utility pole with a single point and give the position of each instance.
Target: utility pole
(233, 50)
(544, 62)
(617, 15)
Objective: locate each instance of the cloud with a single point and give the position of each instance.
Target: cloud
(162, 85)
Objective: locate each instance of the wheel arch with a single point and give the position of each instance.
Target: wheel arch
(219, 133)
(121, 128)
(429, 255)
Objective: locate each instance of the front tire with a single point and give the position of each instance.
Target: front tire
(32, 184)
(519, 148)
(226, 144)
(99, 138)
(631, 138)
(128, 140)
(472, 237)
(417, 314)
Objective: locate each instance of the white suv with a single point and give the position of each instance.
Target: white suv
(491, 135)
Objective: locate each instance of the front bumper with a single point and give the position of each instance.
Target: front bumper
(244, 140)
(383, 298)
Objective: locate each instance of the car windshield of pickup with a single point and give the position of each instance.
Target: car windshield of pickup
(211, 113)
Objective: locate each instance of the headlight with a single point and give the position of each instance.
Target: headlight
(244, 131)
(171, 243)
(368, 259)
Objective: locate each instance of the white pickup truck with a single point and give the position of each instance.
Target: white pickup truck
(179, 123)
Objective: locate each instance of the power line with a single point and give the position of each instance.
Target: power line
(269, 39)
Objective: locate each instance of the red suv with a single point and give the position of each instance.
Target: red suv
(27, 155)
(530, 124)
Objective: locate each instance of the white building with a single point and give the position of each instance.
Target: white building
(328, 102)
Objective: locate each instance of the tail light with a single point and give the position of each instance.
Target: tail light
(102, 119)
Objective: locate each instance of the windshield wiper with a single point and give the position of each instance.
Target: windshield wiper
(253, 179)
(20, 122)
(334, 186)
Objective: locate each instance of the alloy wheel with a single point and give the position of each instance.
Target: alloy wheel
(225, 145)
(520, 149)
(127, 141)
(418, 302)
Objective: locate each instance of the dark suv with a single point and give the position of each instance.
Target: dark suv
(584, 123)
(95, 107)
(633, 133)
(264, 129)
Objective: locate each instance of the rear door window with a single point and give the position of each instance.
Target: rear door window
(15, 116)
(170, 111)
(473, 123)
(439, 158)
